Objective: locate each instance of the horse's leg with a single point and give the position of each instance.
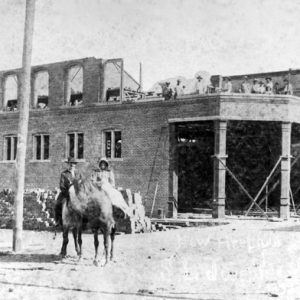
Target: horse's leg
(63, 251)
(80, 241)
(112, 237)
(96, 243)
(75, 236)
(107, 243)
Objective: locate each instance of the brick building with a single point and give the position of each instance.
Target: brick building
(155, 146)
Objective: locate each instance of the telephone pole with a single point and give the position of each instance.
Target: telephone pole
(23, 104)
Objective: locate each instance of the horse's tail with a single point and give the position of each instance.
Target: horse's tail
(119, 202)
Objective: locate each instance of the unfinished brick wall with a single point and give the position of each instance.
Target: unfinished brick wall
(93, 81)
(144, 129)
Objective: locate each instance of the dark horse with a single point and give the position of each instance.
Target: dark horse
(88, 202)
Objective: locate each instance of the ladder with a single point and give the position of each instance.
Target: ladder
(156, 168)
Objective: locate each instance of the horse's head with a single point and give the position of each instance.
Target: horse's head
(75, 182)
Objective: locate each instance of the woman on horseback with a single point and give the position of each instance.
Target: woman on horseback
(105, 174)
(106, 180)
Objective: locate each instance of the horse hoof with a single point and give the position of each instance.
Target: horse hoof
(95, 263)
(103, 264)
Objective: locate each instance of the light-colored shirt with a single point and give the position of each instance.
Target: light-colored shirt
(269, 87)
(255, 88)
(246, 87)
(227, 87)
(200, 87)
(105, 176)
(262, 89)
(178, 90)
(288, 89)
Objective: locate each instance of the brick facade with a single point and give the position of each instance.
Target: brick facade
(146, 160)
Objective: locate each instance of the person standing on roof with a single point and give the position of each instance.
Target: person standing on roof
(227, 89)
(277, 89)
(201, 89)
(269, 86)
(288, 89)
(167, 91)
(255, 87)
(262, 87)
(245, 86)
(178, 90)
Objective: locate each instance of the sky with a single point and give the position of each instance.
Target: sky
(169, 37)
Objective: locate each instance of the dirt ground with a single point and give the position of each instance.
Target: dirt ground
(241, 260)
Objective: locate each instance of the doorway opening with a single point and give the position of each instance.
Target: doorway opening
(194, 149)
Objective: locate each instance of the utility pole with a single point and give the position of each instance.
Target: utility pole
(23, 105)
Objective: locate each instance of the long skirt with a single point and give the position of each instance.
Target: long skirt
(116, 197)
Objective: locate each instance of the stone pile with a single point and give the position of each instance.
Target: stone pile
(38, 209)
(137, 222)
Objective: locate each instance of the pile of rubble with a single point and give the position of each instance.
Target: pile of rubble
(137, 222)
(38, 209)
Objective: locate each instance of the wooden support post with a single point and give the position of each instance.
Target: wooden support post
(173, 173)
(102, 82)
(285, 170)
(24, 101)
(122, 81)
(219, 170)
(67, 87)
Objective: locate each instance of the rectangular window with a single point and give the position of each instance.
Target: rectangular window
(41, 147)
(113, 144)
(75, 145)
(10, 145)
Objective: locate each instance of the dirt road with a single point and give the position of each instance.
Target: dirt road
(241, 260)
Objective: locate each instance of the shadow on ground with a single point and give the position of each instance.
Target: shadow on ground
(141, 293)
(35, 258)
(295, 228)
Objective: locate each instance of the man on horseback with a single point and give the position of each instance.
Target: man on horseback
(66, 178)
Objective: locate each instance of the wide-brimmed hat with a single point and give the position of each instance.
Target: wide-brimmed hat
(268, 77)
(71, 160)
(103, 159)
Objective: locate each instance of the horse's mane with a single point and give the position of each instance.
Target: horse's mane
(84, 186)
